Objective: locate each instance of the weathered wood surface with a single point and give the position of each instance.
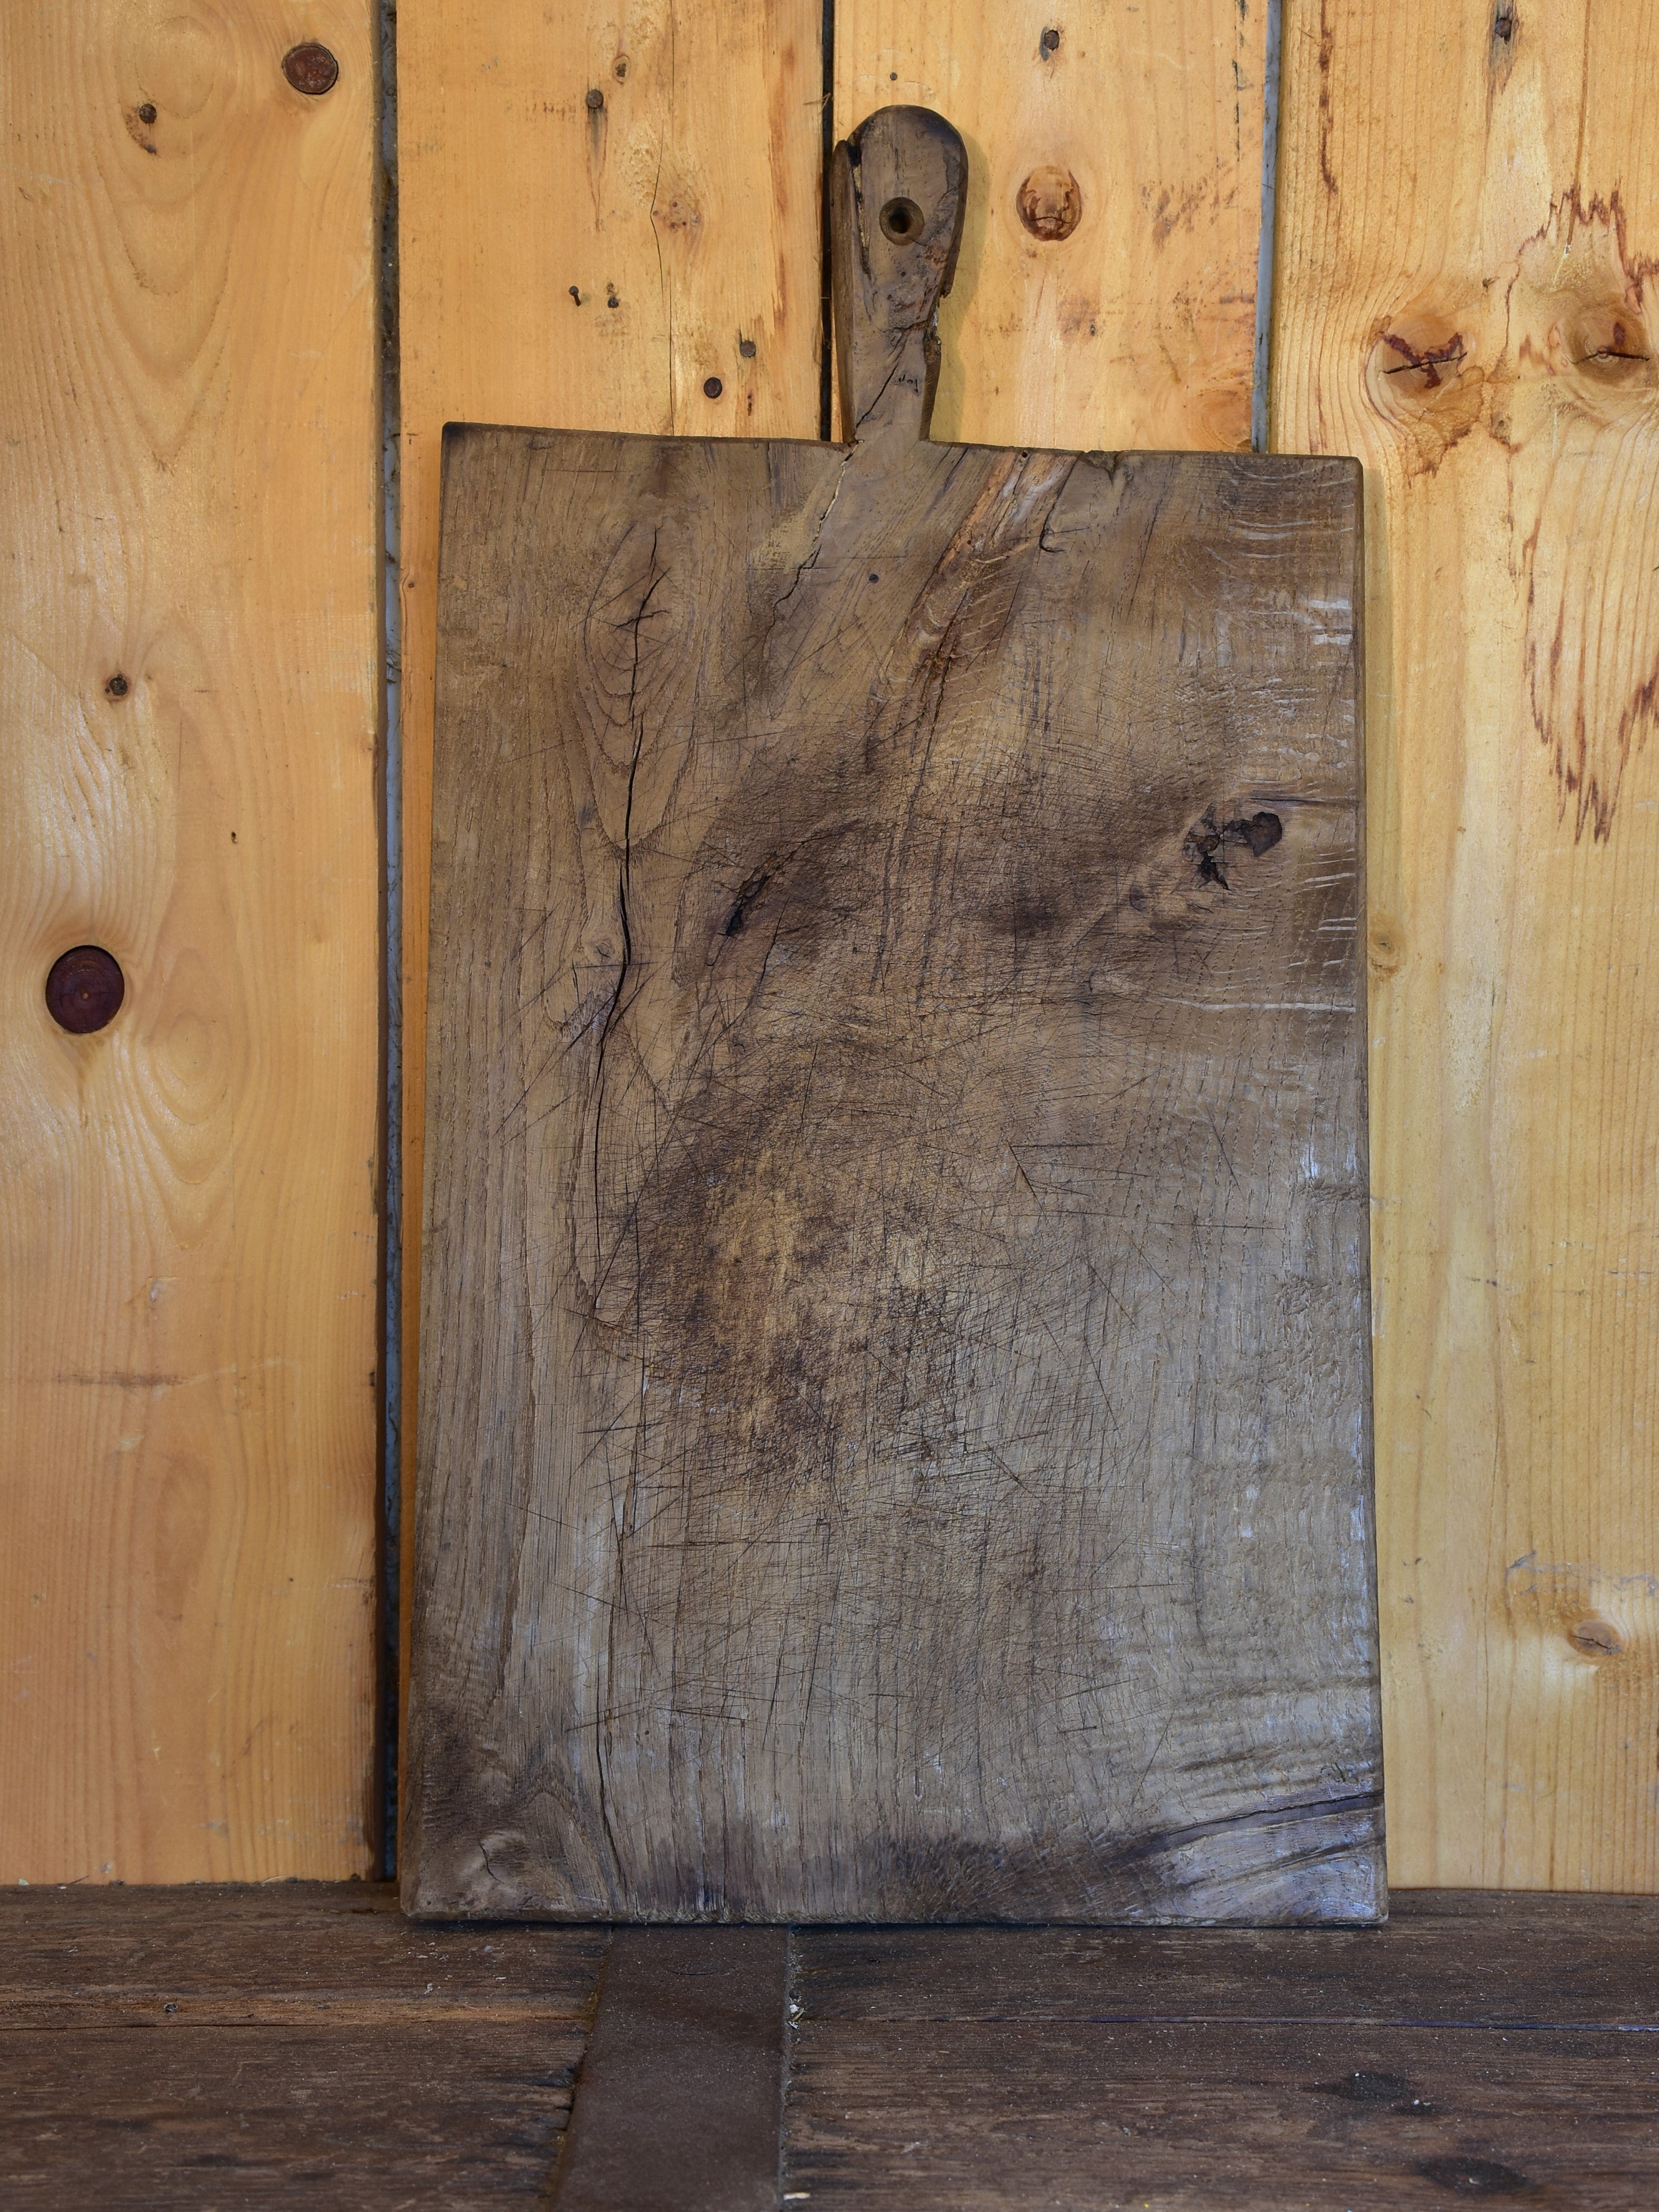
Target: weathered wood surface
(698, 199)
(302, 2044)
(894, 1434)
(1477, 2046)
(189, 701)
(682, 2081)
(1452, 1958)
(1194, 2118)
(382, 2116)
(684, 211)
(1469, 227)
(295, 2045)
(213, 1954)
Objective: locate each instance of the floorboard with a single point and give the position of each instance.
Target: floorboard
(1469, 1959)
(304, 2044)
(299, 2043)
(1190, 2115)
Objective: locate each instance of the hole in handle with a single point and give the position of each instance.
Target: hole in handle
(902, 220)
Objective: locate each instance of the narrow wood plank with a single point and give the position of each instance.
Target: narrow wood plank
(1452, 1958)
(1137, 327)
(293, 2043)
(683, 207)
(188, 712)
(974, 2118)
(1470, 214)
(383, 2116)
(894, 1426)
(682, 2087)
(289, 1950)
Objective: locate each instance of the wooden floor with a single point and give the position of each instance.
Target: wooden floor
(305, 2044)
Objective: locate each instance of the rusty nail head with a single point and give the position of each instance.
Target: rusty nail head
(712, 387)
(85, 989)
(118, 687)
(147, 111)
(595, 100)
(311, 68)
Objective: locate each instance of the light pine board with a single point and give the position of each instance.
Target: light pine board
(1138, 328)
(188, 1199)
(1469, 221)
(690, 197)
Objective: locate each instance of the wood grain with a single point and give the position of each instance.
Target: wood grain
(381, 2116)
(894, 1426)
(295, 2043)
(1477, 2046)
(691, 199)
(1198, 2118)
(1138, 327)
(1450, 1958)
(1470, 214)
(302, 2043)
(187, 1197)
(224, 1954)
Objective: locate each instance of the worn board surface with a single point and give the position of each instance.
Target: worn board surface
(291, 2044)
(301, 2044)
(1470, 233)
(894, 1420)
(1478, 2046)
(894, 1412)
(595, 267)
(695, 191)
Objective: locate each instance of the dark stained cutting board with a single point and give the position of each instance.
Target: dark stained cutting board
(895, 1440)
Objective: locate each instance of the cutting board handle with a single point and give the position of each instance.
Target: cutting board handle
(898, 187)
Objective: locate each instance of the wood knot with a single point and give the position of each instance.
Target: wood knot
(1387, 946)
(1050, 203)
(1207, 842)
(1364, 2087)
(1474, 2177)
(310, 68)
(1428, 368)
(85, 989)
(1596, 1637)
(1608, 344)
(1422, 376)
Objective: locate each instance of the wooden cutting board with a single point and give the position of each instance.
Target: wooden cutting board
(894, 1422)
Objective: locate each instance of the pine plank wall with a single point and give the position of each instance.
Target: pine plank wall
(598, 210)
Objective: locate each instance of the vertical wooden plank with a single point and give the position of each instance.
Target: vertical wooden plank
(187, 1208)
(608, 220)
(1141, 124)
(1469, 226)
